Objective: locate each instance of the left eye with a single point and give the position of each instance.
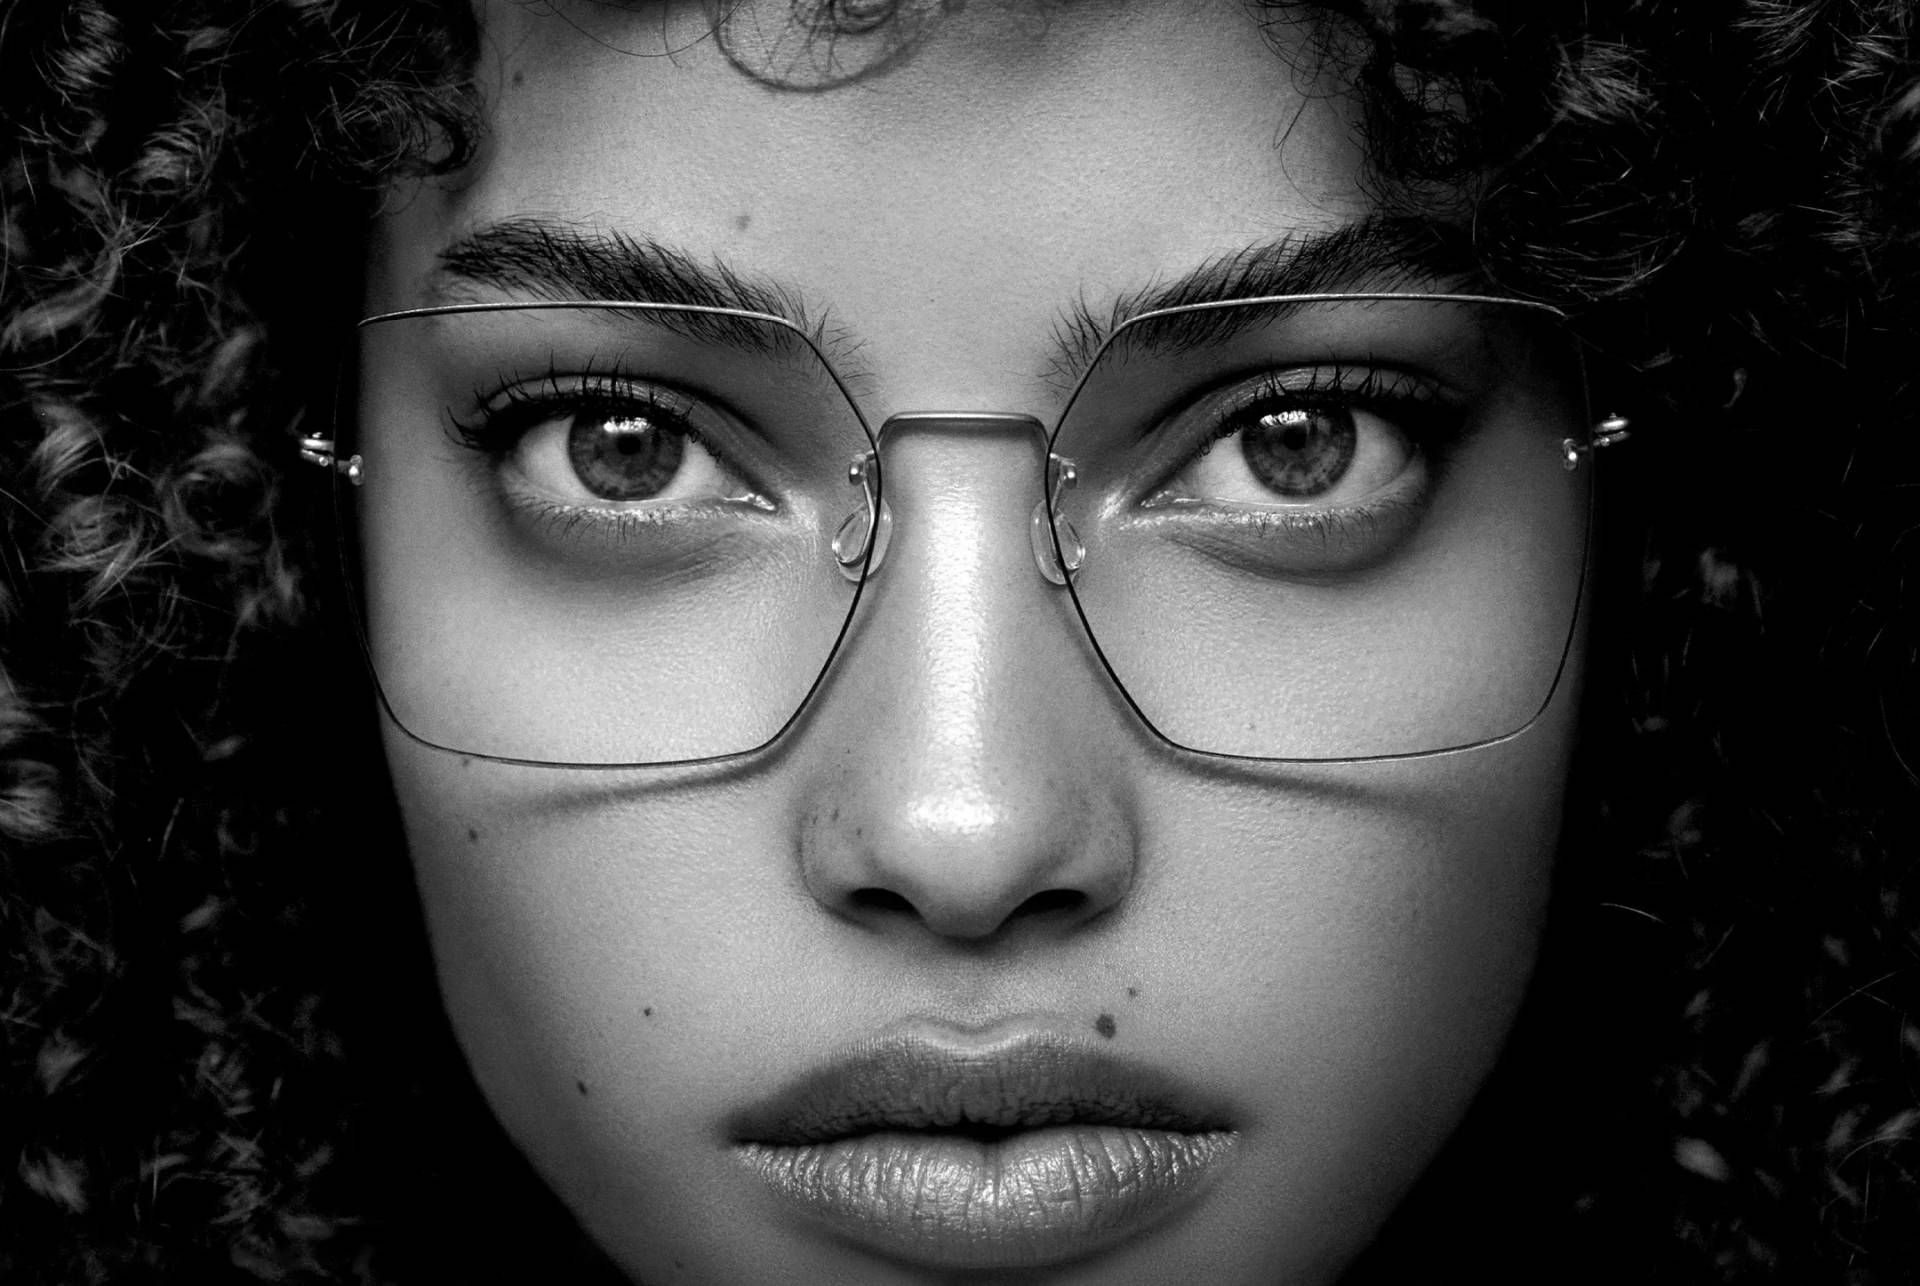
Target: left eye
(1279, 449)
(602, 453)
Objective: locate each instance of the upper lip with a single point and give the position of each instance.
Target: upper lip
(946, 1081)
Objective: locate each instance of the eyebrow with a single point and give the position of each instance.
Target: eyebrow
(1379, 253)
(555, 261)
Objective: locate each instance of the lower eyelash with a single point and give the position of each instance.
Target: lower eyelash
(1327, 525)
(565, 521)
(1235, 536)
(575, 522)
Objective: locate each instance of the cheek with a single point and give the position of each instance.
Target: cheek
(1356, 960)
(621, 962)
(574, 938)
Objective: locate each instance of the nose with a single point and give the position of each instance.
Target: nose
(970, 780)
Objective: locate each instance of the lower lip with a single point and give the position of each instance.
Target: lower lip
(1040, 1197)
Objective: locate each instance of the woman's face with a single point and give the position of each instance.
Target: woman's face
(968, 972)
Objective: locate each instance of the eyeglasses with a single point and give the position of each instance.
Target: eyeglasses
(1296, 528)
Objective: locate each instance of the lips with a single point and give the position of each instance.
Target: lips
(946, 1151)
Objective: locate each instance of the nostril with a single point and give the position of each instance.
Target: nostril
(1048, 901)
(879, 900)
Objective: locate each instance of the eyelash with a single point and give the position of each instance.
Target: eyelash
(1410, 402)
(1416, 405)
(496, 429)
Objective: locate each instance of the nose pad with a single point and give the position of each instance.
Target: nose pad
(965, 781)
(1054, 541)
(1057, 550)
(871, 524)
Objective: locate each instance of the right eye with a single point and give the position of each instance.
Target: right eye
(620, 446)
(1295, 455)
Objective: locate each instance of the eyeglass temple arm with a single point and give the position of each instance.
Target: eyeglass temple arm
(1608, 432)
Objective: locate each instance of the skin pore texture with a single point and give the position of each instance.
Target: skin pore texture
(1330, 955)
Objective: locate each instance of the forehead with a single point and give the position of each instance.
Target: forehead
(942, 211)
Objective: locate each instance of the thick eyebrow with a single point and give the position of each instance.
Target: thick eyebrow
(548, 260)
(1380, 253)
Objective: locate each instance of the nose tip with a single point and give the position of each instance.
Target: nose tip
(970, 864)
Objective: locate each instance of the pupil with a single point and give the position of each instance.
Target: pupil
(1299, 453)
(624, 457)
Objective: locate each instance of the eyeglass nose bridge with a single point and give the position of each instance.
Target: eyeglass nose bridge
(1057, 549)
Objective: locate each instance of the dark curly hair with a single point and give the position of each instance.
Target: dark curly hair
(223, 1053)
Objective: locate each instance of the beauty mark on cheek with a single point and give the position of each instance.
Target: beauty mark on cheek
(1104, 1024)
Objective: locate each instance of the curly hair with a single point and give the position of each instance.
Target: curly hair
(223, 1053)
